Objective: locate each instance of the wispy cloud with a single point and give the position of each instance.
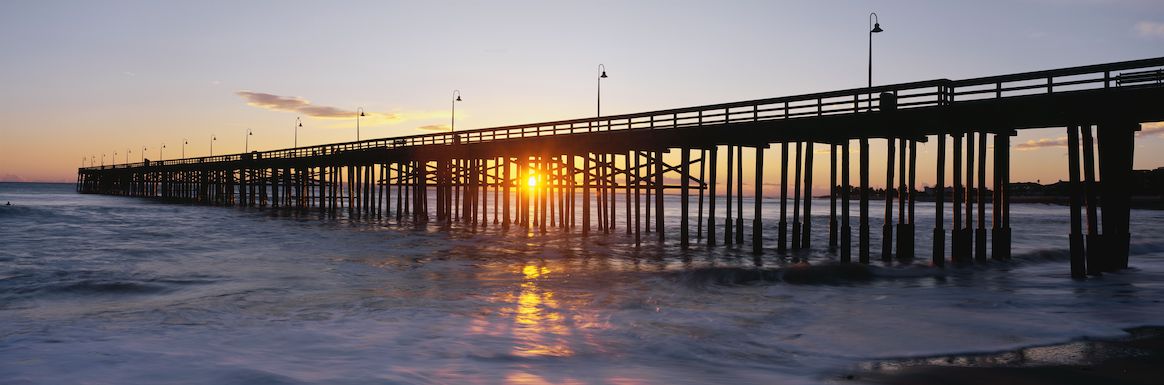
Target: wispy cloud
(1147, 129)
(11, 178)
(435, 127)
(1150, 29)
(303, 106)
(1035, 144)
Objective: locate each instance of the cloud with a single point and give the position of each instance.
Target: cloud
(303, 106)
(435, 127)
(1156, 128)
(1150, 29)
(11, 178)
(1042, 143)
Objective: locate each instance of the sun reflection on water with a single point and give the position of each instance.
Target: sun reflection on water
(541, 330)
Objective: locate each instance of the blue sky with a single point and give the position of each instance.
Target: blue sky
(85, 78)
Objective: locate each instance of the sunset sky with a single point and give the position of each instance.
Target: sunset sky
(86, 78)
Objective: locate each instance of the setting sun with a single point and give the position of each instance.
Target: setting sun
(533, 181)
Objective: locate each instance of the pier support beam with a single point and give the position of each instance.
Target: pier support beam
(757, 223)
(939, 237)
(806, 228)
(1093, 251)
(887, 227)
(846, 191)
(1116, 145)
(713, 153)
(1078, 264)
(863, 232)
(797, 177)
(782, 237)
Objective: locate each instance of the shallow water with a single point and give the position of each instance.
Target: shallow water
(112, 290)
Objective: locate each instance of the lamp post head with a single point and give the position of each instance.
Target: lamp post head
(362, 113)
(458, 98)
(603, 75)
(876, 28)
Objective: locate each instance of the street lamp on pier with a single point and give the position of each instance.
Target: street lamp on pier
(247, 141)
(298, 123)
(359, 113)
(212, 139)
(875, 27)
(602, 75)
(453, 119)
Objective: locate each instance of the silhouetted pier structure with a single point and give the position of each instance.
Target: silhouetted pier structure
(591, 162)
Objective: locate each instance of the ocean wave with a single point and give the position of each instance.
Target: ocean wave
(800, 273)
(85, 283)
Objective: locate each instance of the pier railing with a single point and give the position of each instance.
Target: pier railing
(931, 93)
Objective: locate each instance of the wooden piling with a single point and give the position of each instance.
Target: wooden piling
(833, 198)
(1075, 192)
(887, 226)
(740, 195)
(806, 227)
(956, 234)
(863, 232)
(684, 195)
(782, 235)
(728, 226)
(757, 223)
(846, 190)
(713, 154)
(796, 239)
(1092, 249)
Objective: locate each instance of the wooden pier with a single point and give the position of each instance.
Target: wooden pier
(534, 176)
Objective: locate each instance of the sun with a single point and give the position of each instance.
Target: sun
(533, 181)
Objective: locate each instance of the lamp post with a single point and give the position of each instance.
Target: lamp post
(93, 160)
(359, 113)
(247, 141)
(453, 119)
(212, 139)
(143, 151)
(602, 72)
(160, 150)
(298, 123)
(102, 160)
(127, 152)
(184, 143)
(874, 28)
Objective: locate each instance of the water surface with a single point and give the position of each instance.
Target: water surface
(112, 290)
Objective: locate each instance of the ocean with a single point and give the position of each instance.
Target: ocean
(113, 290)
